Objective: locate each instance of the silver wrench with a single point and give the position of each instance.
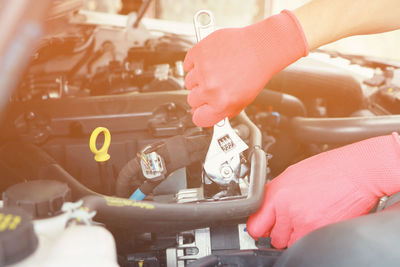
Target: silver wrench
(222, 164)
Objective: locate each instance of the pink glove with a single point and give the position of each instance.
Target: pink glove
(333, 186)
(228, 68)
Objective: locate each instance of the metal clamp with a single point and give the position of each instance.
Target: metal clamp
(77, 213)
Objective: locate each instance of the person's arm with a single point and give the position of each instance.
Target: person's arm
(228, 68)
(326, 21)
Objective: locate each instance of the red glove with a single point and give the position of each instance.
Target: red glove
(333, 186)
(228, 68)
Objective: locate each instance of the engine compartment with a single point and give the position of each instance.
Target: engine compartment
(85, 75)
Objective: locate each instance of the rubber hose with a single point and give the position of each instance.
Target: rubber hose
(125, 212)
(342, 130)
(56, 172)
(146, 215)
(286, 104)
(330, 83)
(255, 140)
(28, 160)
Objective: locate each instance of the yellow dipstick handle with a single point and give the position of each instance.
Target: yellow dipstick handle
(100, 155)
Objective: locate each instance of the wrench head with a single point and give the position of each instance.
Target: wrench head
(222, 164)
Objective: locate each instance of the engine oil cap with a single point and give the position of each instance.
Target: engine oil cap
(39, 198)
(17, 236)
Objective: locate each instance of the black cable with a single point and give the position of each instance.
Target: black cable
(81, 61)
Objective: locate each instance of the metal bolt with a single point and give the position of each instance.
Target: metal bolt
(226, 171)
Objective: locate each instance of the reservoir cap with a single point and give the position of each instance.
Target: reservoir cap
(17, 236)
(39, 198)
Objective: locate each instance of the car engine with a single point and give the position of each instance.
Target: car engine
(101, 111)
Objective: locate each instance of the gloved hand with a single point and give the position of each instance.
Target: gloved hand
(333, 186)
(228, 68)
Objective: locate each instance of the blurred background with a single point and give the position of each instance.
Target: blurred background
(236, 13)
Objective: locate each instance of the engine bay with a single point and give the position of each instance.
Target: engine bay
(86, 74)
